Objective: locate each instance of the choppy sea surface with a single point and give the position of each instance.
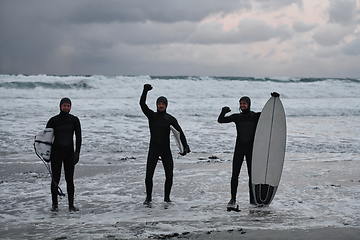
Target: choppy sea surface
(320, 185)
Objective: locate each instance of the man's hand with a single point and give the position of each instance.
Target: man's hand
(75, 158)
(225, 110)
(147, 87)
(275, 94)
(186, 150)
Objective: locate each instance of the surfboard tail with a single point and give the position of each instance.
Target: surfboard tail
(263, 193)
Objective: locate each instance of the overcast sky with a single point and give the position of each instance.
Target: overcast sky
(259, 38)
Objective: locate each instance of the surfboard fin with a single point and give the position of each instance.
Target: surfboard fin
(263, 194)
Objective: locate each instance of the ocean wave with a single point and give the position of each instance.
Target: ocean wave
(82, 84)
(81, 81)
(255, 79)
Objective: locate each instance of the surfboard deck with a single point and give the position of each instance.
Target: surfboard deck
(43, 143)
(268, 152)
(176, 135)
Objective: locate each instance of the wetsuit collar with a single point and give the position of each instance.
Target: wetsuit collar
(161, 112)
(64, 114)
(245, 111)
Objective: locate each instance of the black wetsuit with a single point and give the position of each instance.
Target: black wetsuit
(62, 151)
(159, 124)
(245, 126)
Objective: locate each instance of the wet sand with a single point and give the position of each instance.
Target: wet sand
(294, 234)
(317, 199)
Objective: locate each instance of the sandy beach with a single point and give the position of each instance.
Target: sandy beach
(296, 234)
(317, 199)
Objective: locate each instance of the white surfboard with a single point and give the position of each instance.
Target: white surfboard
(268, 152)
(176, 135)
(43, 143)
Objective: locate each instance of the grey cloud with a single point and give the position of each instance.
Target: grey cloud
(331, 34)
(147, 33)
(142, 36)
(165, 10)
(248, 30)
(155, 33)
(352, 48)
(155, 10)
(162, 10)
(271, 52)
(303, 27)
(95, 11)
(277, 4)
(342, 11)
(212, 33)
(327, 52)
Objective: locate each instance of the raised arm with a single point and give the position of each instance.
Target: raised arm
(146, 110)
(222, 118)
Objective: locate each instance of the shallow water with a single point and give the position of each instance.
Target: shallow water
(320, 185)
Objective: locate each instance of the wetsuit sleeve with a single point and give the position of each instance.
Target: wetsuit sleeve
(77, 128)
(50, 123)
(223, 119)
(146, 110)
(257, 116)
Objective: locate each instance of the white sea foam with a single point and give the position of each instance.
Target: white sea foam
(319, 186)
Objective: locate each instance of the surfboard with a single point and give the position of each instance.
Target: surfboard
(43, 143)
(176, 135)
(268, 151)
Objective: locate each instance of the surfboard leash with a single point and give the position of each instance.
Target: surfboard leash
(47, 165)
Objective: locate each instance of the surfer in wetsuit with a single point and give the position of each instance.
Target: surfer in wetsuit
(62, 151)
(159, 124)
(245, 122)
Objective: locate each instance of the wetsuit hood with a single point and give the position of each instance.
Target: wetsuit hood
(164, 100)
(65, 100)
(62, 101)
(246, 99)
